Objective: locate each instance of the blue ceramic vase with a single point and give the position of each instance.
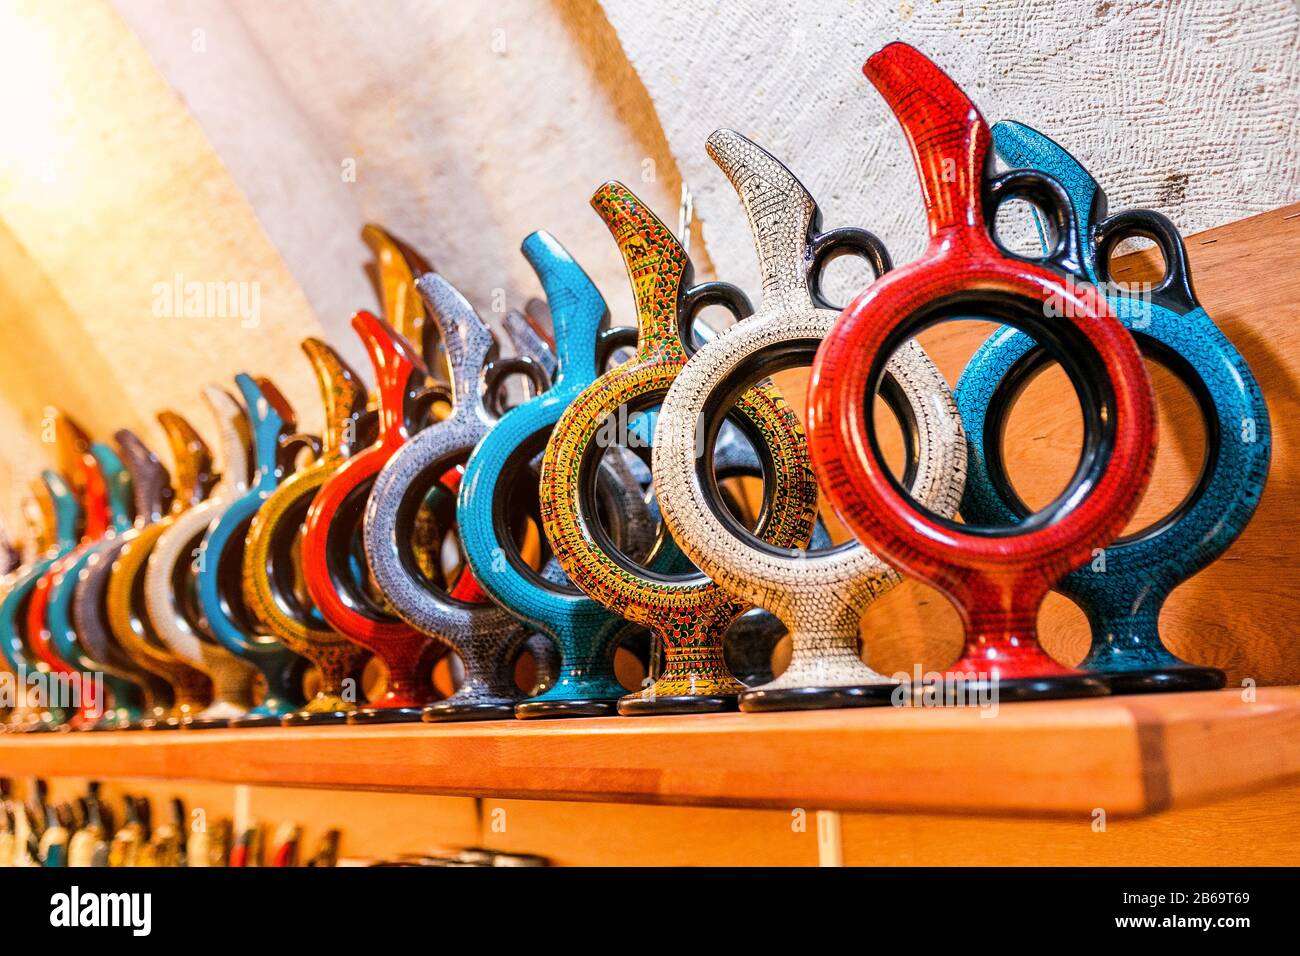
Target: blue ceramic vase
(126, 706)
(1122, 590)
(585, 632)
(219, 583)
(29, 716)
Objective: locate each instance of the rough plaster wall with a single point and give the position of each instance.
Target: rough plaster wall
(1188, 107)
(183, 136)
(107, 188)
(230, 86)
(470, 126)
(44, 359)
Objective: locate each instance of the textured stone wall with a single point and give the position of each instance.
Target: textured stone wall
(240, 140)
(460, 126)
(1188, 106)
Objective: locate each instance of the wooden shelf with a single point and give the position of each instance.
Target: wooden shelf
(1130, 755)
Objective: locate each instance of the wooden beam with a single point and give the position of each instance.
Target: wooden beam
(1129, 755)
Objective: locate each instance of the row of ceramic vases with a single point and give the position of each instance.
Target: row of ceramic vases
(328, 550)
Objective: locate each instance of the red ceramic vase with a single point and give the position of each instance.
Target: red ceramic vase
(997, 578)
(335, 519)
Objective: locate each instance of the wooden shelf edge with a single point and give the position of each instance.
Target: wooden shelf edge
(1126, 755)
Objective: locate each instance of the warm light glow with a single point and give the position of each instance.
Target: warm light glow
(38, 136)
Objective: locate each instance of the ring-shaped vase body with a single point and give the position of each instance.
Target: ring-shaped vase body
(126, 600)
(485, 635)
(633, 515)
(750, 641)
(107, 502)
(688, 613)
(218, 580)
(274, 564)
(532, 341)
(170, 586)
(61, 513)
(1123, 595)
(997, 578)
(585, 632)
(270, 564)
(84, 701)
(151, 492)
(821, 596)
(336, 516)
(10, 557)
(752, 638)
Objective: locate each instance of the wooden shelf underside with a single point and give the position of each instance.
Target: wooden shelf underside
(1129, 755)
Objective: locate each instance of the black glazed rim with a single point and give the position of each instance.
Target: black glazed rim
(371, 714)
(450, 711)
(508, 506)
(305, 718)
(587, 495)
(339, 539)
(93, 591)
(1064, 342)
(612, 340)
(693, 299)
(1034, 361)
(760, 364)
(280, 564)
(541, 709)
(1043, 687)
(20, 621)
(137, 614)
(634, 705)
(1175, 677)
(817, 697)
(408, 508)
(230, 587)
(185, 591)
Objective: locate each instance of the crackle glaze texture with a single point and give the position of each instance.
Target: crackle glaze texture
(585, 632)
(128, 617)
(998, 580)
(820, 596)
(271, 422)
(1189, 107)
(60, 512)
(171, 569)
(151, 491)
(269, 554)
(486, 636)
(688, 614)
(1123, 597)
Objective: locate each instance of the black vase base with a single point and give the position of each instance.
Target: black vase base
(205, 723)
(164, 723)
(636, 706)
(102, 727)
(258, 720)
(386, 715)
(447, 712)
(1163, 680)
(37, 728)
(579, 707)
(314, 718)
(1012, 690)
(760, 700)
